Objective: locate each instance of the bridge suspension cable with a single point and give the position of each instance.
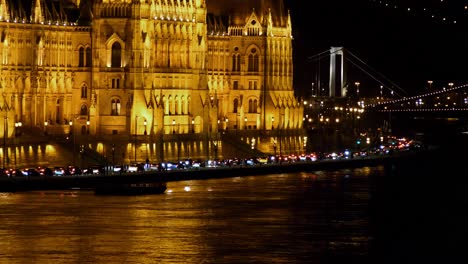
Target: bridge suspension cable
(318, 56)
(362, 65)
(380, 74)
(372, 76)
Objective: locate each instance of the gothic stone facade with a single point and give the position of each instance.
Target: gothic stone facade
(146, 66)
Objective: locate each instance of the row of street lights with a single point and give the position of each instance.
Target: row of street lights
(430, 82)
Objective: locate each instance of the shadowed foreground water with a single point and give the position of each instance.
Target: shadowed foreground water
(412, 212)
(289, 218)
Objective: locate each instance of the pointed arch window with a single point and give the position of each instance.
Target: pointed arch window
(236, 63)
(116, 59)
(253, 106)
(84, 91)
(115, 107)
(253, 60)
(81, 57)
(88, 57)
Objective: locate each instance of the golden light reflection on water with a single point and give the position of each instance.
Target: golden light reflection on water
(253, 219)
(70, 153)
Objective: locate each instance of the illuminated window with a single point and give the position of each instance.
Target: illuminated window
(115, 107)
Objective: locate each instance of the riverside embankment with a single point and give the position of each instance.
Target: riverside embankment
(14, 184)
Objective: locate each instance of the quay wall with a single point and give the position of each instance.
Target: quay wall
(9, 184)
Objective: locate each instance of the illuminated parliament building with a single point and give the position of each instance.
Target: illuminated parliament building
(146, 67)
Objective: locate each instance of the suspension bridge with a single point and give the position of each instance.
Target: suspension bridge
(342, 84)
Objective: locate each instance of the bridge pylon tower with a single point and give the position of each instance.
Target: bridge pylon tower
(337, 84)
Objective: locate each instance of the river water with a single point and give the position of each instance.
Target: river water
(410, 212)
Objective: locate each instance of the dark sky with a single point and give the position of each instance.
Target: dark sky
(404, 47)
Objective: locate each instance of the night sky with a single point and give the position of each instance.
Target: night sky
(404, 43)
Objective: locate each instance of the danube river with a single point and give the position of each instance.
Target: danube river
(411, 212)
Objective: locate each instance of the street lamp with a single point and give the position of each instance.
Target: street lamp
(357, 88)
(17, 133)
(17, 127)
(5, 132)
(72, 133)
(45, 127)
(193, 126)
(215, 143)
(430, 84)
(87, 127)
(274, 146)
(245, 123)
(272, 122)
(173, 126)
(135, 143)
(450, 84)
(113, 156)
(146, 141)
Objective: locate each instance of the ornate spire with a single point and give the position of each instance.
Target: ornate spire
(153, 13)
(269, 24)
(4, 11)
(36, 12)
